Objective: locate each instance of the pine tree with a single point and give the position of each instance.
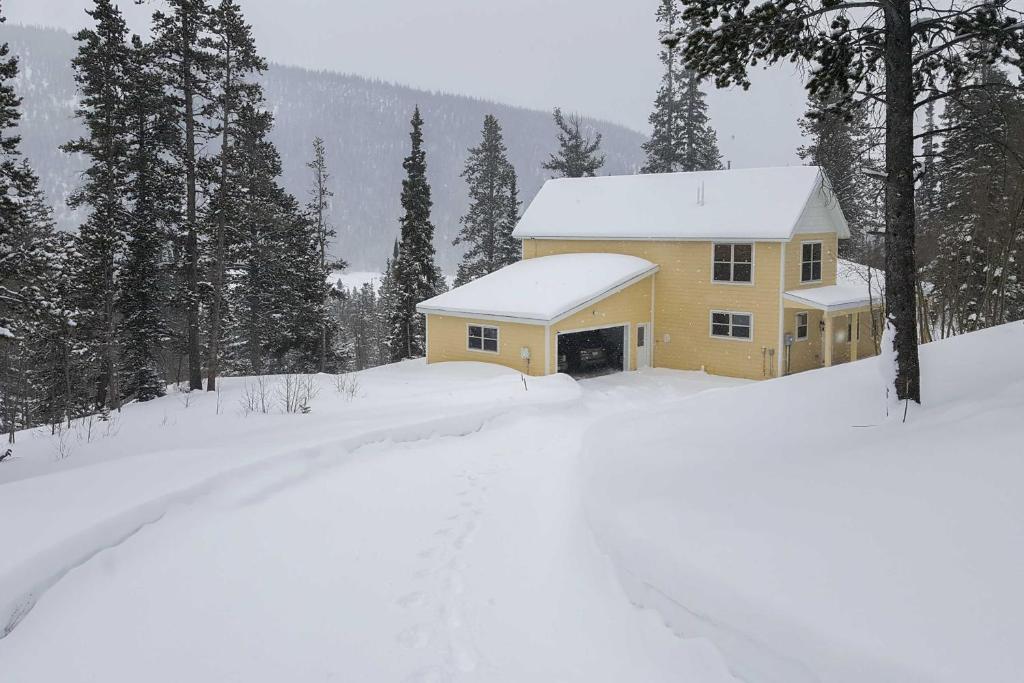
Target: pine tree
(154, 195)
(841, 144)
(30, 301)
(577, 155)
(233, 65)
(417, 278)
(101, 67)
(682, 138)
(318, 209)
(980, 229)
(493, 207)
(181, 38)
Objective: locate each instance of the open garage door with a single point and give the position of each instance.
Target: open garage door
(591, 353)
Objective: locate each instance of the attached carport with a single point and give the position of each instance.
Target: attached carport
(587, 307)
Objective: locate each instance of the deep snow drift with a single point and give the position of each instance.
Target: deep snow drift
(453, 523)
(813, 539)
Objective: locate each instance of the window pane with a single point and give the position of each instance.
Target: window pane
(741, 320)
(741, 272)
(475, 343)
(490, 344)
(640, 335)
(722, 272)
(807, 252)
(816, 251)
(805, 272)
(720, 318)
(741, 331)
(490, 333)
(743, 253)
(723, 252)
(720, 330)
(474, 330)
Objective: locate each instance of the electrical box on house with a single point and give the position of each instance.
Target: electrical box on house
(524, 353)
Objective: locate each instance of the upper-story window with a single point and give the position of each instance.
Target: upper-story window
(734, 263)
(810, 262)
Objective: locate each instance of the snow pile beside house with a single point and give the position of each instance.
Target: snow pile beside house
(812, 538)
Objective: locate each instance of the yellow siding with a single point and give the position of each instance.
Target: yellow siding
(628, 307)
(685, 297)
(808, 354)
(829, 255)
(447, 341)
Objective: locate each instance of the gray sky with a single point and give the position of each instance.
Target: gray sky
(598, 57)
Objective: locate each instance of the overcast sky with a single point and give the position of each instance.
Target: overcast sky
(598, 57)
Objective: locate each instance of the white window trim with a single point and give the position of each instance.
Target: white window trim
(753, 260)
(796, 326)
(711, 325)
(497, 338)
(821, 261)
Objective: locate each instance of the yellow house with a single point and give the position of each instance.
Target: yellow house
(732, 272)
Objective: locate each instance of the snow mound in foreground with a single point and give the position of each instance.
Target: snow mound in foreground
(814, 539)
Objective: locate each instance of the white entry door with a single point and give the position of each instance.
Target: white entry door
(643, 345)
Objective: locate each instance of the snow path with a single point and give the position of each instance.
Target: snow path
(452, 550)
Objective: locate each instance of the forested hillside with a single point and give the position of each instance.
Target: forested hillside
(364, 124)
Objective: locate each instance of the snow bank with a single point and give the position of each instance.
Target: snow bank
(88, 495)
(811, 539)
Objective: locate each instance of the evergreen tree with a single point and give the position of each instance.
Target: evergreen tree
(101, 69)
(682, 138)
(577, 155)
(493, 207)
(181, 38)
(841, 144)
(318, 209)
(417, 278)
(234, 62)
(155, 199)
(30, 301)
(977, 267)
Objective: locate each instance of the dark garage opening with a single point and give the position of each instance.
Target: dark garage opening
(592, 353)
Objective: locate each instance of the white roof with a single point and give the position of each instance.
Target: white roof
(833, 298)
(541, 290)
(753, 203)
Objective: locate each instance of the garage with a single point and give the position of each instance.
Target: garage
(594, 352)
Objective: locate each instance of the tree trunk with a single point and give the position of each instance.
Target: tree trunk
(195, 375)
(213, 361)
(900, 266)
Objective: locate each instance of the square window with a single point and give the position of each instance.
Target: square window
(731, 325)
(482, 338)
(733, 262)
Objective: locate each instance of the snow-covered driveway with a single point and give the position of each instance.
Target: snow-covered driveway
(457, 551)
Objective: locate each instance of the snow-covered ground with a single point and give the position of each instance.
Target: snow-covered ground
(451, 523)
(813, 539)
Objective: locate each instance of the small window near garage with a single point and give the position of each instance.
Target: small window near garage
(801, 326)
(734, 263)
(810, 263)
(483, 338)
(731, 325)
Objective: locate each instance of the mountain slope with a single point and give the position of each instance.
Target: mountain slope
(364, 122)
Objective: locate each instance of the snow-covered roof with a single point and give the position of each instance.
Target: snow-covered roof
(752, 203)
(541, 290)
(834, 298)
